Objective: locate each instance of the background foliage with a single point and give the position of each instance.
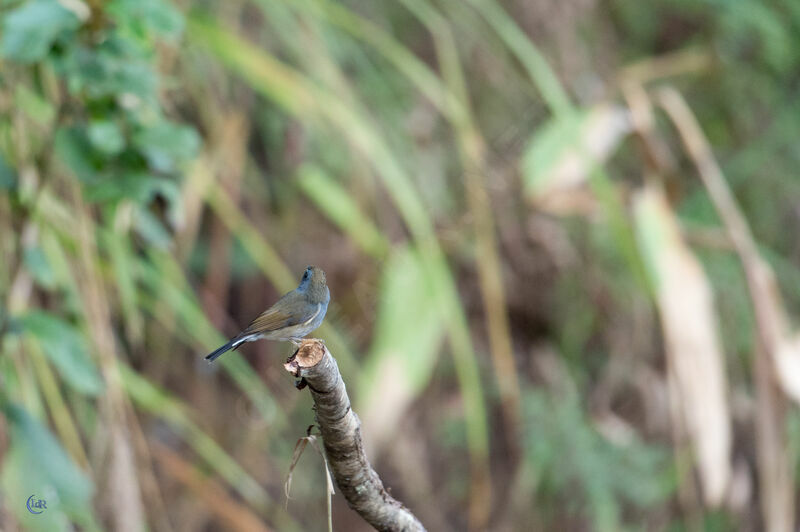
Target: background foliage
(548, 310)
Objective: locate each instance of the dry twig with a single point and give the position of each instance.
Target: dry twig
(341, 435)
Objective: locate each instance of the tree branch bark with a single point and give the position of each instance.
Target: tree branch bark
(341, 435)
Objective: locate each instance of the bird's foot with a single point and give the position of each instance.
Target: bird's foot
(320, 340)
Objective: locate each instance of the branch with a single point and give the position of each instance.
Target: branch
(341, 434)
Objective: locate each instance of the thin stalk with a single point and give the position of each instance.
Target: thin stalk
(472, 152)
(59, 412)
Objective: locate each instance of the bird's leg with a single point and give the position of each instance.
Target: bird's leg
(296, 344)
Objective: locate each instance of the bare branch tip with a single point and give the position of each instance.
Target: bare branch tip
(310, 353)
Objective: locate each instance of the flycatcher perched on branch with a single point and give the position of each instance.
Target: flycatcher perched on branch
(291, 318)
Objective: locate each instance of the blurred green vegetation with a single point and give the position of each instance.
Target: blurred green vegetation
(167, 170)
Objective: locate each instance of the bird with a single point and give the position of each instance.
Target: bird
(291, 318)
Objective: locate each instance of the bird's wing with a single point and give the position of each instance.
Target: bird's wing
(273, 319)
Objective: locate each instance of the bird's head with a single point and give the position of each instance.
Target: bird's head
(313, 281)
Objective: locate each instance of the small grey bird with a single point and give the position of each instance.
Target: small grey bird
(292, 317)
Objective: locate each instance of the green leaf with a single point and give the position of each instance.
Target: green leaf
(73, 149)
(148, 16)
(653, 234)
(36, 263)
(37, 108)
(106, 137)
(151, 229)
(407, 303)
(564, 151)
(142, 188)
(408, 333)
(107, 70)
(120, 250)
(30, 30)
(38, 465)
(166, 144)
(129, 185)
(546, 148)
(66, 349)
(8, 176)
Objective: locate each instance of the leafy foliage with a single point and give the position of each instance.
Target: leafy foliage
(88, 92)
(66, 349)
(31, 30)
(574, 462)
(37, 464)
(116, 140)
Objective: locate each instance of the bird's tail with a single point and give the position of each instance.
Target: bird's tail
(222, 350)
